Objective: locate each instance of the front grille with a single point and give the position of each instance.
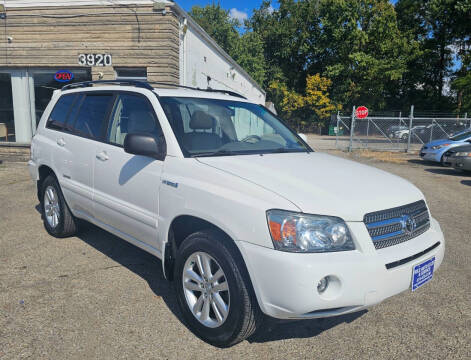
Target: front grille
(397, 225)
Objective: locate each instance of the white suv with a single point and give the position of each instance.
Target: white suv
(246, 218)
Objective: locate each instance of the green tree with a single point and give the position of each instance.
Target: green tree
(314, 105)
(355, 43)
(218, 24)
(431, 24)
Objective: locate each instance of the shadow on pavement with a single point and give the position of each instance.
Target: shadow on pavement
(149, 268)
(445, 171)
(131, 257)
(466, 182)
(273, 329)
(423, 162)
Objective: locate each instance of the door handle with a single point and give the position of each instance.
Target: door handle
(60, 142)
(103, 156)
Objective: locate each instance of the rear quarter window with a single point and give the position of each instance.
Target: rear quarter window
(60, 112)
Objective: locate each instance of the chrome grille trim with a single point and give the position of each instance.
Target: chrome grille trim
(393, 226)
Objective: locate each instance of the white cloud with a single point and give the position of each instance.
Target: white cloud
(270, 9)
(238, 15)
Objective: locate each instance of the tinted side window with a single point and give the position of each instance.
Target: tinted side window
(91, 116)
(132, 114)
(73, 113)
(60, 112)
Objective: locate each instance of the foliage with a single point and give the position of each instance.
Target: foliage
(246, 50)
(352, 52)
(314, 105)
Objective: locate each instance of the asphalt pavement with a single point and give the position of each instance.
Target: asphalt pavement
(95, 296)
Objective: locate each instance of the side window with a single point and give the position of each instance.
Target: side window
(73, 113)
(131, 114)
(91, 116)
(60, 112)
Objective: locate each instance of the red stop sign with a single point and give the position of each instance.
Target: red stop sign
(361, 112)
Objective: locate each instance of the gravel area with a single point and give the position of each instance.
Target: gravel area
(97, 297)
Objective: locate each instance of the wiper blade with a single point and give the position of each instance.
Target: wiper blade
(286, 150)
(216, 153)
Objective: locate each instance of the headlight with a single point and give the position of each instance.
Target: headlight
(297, 232)
(462, 153)
(436, 147)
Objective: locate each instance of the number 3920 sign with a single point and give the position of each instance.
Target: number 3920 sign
(95, 59)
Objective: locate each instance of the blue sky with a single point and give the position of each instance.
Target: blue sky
(240, 9)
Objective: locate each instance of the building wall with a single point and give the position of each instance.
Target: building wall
(40, 37)
(204, 64)
(135, 36)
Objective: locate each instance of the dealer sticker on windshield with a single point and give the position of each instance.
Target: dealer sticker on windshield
(422, 273)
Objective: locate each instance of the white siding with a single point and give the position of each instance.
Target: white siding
(203, 59)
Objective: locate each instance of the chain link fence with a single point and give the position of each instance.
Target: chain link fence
(394, 133)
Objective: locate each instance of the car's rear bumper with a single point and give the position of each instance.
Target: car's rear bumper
(33, 170)
(286, 283)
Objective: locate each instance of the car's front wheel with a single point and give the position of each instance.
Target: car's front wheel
(214, 291)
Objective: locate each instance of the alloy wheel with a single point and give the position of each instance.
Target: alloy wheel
(206, 289)
(51, 206)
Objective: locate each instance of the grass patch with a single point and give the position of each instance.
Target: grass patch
(384, 156)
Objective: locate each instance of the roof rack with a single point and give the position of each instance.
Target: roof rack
(136, 83)
(228, 92)
(146, 85)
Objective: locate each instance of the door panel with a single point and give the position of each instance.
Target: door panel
(127, 186)
(76, 159)
(126, 192)
(77, 121)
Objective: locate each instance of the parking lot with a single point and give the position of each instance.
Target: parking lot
(96, 296)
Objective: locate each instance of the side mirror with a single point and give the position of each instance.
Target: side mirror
(145, 145)
(303, 136)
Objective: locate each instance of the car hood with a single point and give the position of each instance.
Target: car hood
(439, 142)
(319, 183)
(466, 147)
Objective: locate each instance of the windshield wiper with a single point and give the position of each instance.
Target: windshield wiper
(286, 150)
(222, 152)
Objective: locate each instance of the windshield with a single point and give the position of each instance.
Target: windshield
(209, 127)
(461, 136)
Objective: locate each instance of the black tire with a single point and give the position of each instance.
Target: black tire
(442, 161)
(67, 223)
(244, 314)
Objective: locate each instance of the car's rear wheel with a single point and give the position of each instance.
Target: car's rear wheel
(57, 218)
(213, 290)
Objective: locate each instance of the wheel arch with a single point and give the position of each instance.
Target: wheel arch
(44, 171)
(180, 228)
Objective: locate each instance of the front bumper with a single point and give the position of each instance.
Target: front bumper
(431, 155)
(286, 283)
(459, 162)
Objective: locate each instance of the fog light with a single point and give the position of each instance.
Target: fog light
(322, 285)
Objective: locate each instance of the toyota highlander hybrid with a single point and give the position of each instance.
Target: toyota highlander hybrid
(247, 219)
